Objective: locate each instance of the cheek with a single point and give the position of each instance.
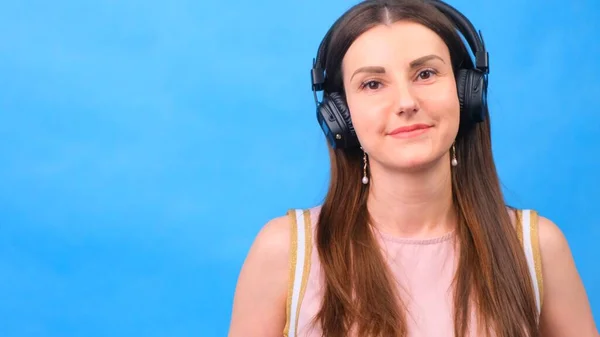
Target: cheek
(443, 109)
(368, 116)
(444, 96)
(443, 106)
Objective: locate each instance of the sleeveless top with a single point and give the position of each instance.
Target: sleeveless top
(423, 268)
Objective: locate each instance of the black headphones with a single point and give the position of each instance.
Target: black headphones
(332, 112)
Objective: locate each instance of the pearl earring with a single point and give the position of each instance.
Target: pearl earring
(365, 179)
(454, 161)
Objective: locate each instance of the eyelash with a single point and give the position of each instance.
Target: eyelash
(364, 84)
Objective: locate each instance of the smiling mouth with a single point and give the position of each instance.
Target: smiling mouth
(410, 131)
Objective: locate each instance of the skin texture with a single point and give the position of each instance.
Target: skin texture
(410, 188)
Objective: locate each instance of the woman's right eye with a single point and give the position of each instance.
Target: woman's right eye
(371, 85)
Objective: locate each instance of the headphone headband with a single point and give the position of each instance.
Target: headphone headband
(474, 38)
(466, 28)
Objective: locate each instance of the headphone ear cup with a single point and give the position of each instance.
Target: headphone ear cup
(472, 95)
(338, 103)
(461, 89)
(477, 95)
(334, 117)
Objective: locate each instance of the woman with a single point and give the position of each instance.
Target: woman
(414, 237)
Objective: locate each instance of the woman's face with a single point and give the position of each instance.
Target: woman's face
(401, 92)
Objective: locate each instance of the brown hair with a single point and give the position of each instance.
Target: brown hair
(492, 276)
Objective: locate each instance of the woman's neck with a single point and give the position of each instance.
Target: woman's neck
(414, 205)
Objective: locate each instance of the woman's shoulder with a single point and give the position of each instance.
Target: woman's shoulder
(566, 310)
(272, 240)
(275, 237)
(548, 233)
(263, 282)
(551, 236)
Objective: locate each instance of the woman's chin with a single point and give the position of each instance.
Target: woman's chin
(413, 163)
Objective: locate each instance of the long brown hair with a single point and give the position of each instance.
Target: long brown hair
(492, 276)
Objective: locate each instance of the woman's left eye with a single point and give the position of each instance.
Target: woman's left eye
(426, 74)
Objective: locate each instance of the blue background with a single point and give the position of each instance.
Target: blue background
(144, 144)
